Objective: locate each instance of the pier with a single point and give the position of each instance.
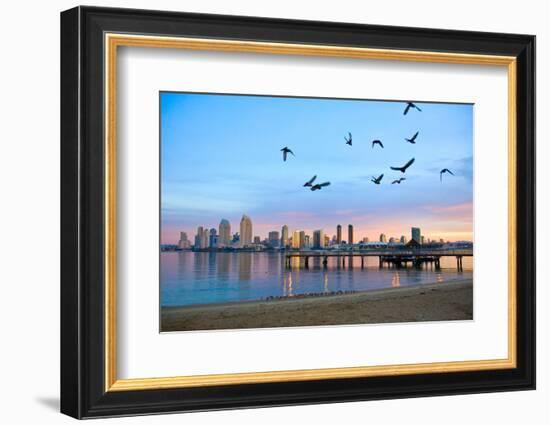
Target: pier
(392, 258)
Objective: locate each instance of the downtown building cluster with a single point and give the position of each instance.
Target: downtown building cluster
(223, 238)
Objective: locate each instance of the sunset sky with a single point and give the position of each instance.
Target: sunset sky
(220, 158)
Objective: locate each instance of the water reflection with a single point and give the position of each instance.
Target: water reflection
(189, 278)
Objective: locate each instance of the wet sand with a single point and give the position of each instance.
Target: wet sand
(428, 302)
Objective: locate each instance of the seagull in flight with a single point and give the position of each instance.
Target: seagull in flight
(404, 167)
(286, 151)
(399, 180)
(318, 186)
(409, 106)
(309, 183)
(348, 139)
(445, 170)
(377, 142)
(413, 139)
(377, 180)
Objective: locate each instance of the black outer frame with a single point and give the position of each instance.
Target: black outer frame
(82, 219)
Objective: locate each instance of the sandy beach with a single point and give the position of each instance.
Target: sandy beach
(428, 302)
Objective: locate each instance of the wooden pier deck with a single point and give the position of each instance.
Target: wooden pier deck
(397, 258)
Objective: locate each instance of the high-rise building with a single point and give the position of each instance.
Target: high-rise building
(198, 237)
(366, 239)
(383, 238)
(339, 234)
(422, 240)
(416, 234)
(246, 231)
(224, 238)
(284, 236)
(403, 239)
(273, 239)
(213, 239)
(205, 240)
(184, 243)
(296, 239)
(299, 239)
(257, 240)
(326, 241)
(350, 234)
(392, 240)
(318, 239)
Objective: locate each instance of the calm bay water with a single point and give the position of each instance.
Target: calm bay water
(191, 278)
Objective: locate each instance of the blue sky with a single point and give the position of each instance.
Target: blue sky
(220, 158)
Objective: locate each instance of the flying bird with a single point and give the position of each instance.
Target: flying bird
(286, 151)
(318, 186)
(377, 142)
(309, 183)
(413, 139)
(445, 170)
(348, 139)
(377, 180)
(404, 167)
(409, 106)
(399, 180)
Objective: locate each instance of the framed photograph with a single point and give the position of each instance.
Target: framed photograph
(261, 212)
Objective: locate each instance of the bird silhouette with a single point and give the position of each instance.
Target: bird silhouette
(404, 167)
(309, 183)
(377, 180)
(318, 186)
(286, 151)
(377, 142)
(409, 106)
(399, 180)
(348, 139)
(412, 139)
(445, 170)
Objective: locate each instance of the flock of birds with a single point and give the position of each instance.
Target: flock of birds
(375, 180)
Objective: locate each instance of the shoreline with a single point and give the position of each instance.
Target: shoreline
(451, 300)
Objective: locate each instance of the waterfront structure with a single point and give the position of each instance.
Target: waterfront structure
(350, 234)
(318, 239)
(416, 234)
(246, 231)
(224, 230)
(383, 238)
(339, 234)
(284, 236)
(184, 243)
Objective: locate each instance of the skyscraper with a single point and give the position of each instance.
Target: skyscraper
(416, 234)
(273, 239)
(318, 239)
(213, 239)
(302, 239)
(246, 231)
(350, 234)
(224, 238)
(205, 238)
(296, 239)
(184, 243)
(198, 237)
(383, 238)
(284, 236)
(403, 239)
(257, 240)
(339, 234)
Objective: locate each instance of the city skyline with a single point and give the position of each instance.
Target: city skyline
(220, 157)
(206, 237)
